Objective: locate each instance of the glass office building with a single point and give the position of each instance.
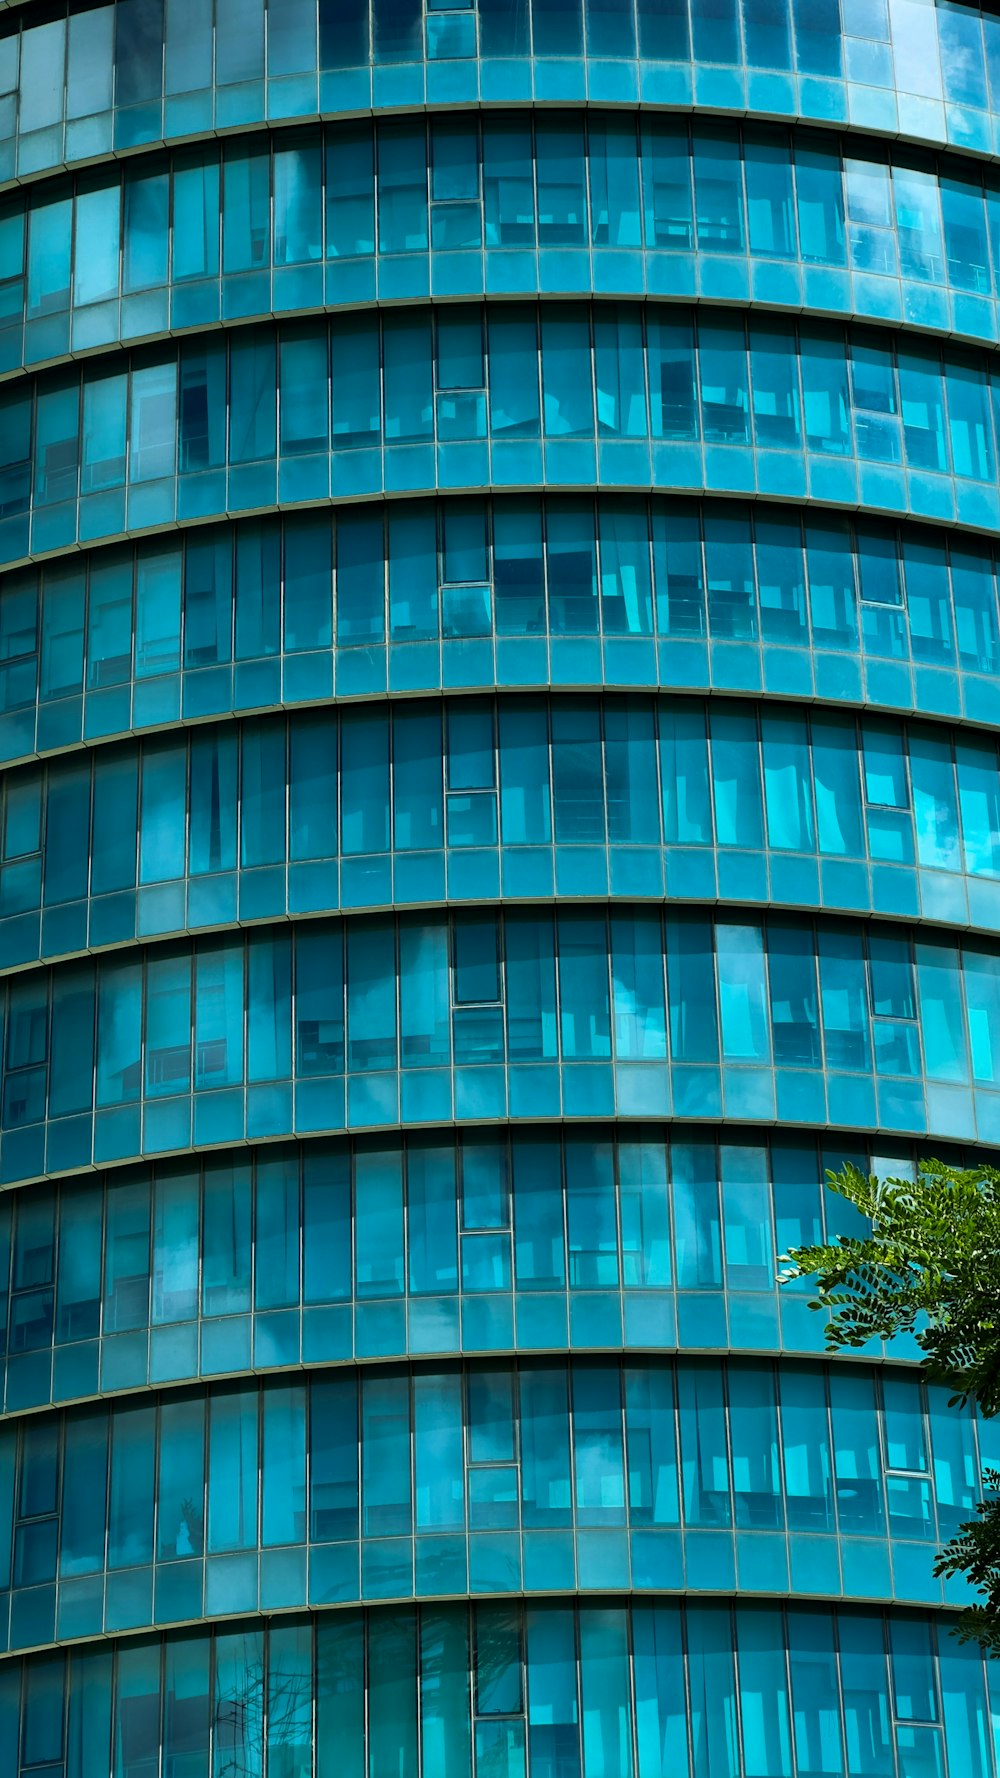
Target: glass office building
(499, 724)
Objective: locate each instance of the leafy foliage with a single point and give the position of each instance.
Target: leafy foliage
(975, 1552)
(930, 1266)
(927, 1265)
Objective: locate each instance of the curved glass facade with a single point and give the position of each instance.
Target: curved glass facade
(115, 77)
(613, 202)
(513, 592)
(580, 1013)
(639, 1688)
(486, 1241)
(472, 799)
(512, 394)
(551, 1476)
(499, 791)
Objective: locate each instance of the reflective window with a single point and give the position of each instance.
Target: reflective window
(865, 1032)
(193, 829)
(433, 1221)
(526, 405)
(397, 1681)
(268, 611)
(546, 1445)
(108, 79)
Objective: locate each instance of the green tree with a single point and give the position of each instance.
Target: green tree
(929, 1266)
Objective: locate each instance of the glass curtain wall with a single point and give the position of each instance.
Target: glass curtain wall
(509, 202)
(499, 792)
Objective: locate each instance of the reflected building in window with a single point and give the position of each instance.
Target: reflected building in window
(499, 791)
